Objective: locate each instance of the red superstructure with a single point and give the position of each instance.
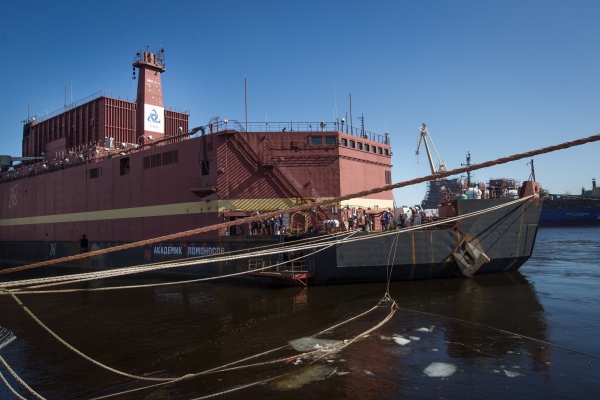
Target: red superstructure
(104, 118)
(122, 171)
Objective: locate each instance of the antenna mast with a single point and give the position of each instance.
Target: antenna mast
(467, 165)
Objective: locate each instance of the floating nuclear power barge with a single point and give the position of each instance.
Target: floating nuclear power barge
(107, 171)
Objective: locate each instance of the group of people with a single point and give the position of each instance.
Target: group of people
(412, 216)
(355, 222)
(267, 226)
(386, 219)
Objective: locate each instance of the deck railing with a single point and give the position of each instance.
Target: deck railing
(300, 127)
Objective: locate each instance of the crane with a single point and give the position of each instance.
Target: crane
(423, 138)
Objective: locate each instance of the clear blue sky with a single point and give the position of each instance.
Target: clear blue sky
(490, 77)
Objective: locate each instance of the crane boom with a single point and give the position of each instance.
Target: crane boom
(424, 133)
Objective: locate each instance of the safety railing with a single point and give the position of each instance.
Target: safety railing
(291, 126)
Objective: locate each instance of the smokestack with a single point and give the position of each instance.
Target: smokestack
(593, 183)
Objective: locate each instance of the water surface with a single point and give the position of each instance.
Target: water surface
(428, 349)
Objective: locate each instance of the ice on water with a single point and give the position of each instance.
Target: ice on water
(401, 341)
(440, 370)
(430, 329)
(310, 343)
(295, 380)
(512, 374)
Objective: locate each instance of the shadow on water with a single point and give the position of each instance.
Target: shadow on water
(428, 349)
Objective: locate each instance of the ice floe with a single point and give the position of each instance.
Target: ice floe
(430, 329)
(512, 374)
(311, 343)
(308, 374)
(401, 341)
(414, 338)
(440, 370)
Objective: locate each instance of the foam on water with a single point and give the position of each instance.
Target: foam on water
(414, 338)
(310, 343)
(309, 374)
(440, 370)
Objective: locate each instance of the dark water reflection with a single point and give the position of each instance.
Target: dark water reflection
(176, 330)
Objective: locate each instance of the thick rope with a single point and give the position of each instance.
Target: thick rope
(304, 207)
(78, 278)
(390, 266)
(11, 388)
(153, 267)
(224, 368)
(163, 265)
(14, 374)
(143, 378)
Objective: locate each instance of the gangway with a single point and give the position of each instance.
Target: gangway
(293, 273)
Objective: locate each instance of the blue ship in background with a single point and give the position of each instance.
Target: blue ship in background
(570, 210)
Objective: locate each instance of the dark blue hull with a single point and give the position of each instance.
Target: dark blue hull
(570, 212)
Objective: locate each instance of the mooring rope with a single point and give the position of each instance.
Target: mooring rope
(11, 388)
(227, 367)
(21, 381)
(335, 200)
(153, 267)
(87, 278)
(63, 342)
(321, 241)
(222, 368)
(390, 266)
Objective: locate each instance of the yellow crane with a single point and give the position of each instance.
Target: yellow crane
(423, 134)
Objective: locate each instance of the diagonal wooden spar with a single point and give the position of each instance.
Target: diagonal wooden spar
(303, 207)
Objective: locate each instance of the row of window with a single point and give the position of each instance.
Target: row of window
(353, 144)
(329, 140)
(156, 160)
